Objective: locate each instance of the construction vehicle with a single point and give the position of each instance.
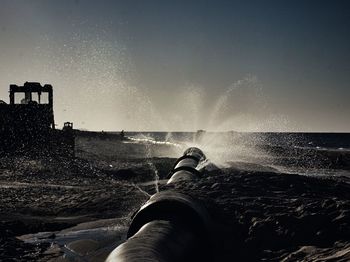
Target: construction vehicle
(27, 123)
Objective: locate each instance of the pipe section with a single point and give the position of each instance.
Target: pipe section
(187, 167)
(170, 226)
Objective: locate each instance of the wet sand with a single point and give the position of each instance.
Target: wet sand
(82, 206)
(264, 216)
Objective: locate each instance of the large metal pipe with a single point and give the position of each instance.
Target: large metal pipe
(188, 166)
(170, 226)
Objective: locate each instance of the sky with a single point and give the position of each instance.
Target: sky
(166, 65)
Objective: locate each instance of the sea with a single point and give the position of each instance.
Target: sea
(311, 154)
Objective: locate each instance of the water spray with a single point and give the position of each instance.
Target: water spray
(170, 226)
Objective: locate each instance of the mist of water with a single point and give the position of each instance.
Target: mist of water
(92, 77)
(224, 115)
(149, 161)
(242, 107)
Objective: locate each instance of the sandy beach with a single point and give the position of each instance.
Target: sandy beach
(79, 209)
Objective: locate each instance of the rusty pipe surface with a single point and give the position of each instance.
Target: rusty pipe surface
(170, 226)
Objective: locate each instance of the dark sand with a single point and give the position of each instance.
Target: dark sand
(84, 206)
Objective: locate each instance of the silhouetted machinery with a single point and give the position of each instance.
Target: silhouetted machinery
(27, 124)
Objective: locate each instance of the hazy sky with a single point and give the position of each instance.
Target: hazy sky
(184, 65)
